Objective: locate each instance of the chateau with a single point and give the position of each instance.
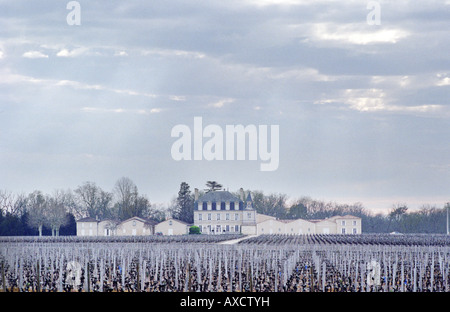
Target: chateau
(219, 212)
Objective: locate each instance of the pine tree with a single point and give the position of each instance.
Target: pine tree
(185, 204)
(213, 186)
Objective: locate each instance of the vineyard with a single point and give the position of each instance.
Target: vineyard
(198, 263)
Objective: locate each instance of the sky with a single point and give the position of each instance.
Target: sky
(360, 91)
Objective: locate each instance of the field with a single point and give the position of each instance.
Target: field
(199, 263)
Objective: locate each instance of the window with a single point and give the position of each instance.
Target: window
(343, 222)
(236, 228)
(227, 216)
(218, 216)
(354, 223)
(343, 230)
(200, 217)
(170, 222)
(134, 223)
(209, 216)
(355, 231)
(249, 215)
(236, 216)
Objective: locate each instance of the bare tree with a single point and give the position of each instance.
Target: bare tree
(272, 205)
(396, 214)
(159, 211)
(92, 201)
(129, 203)
(57, 208)
(7, 202)
(37, 210)
(20, 204)
(124, 191)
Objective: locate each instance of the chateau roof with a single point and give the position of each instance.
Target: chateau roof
(219, 196)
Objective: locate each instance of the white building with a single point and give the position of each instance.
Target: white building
(347, 224)
(136, 226)
(172, 227)
(335, 225)
(219, 212)
(131, 227)
(87, 227)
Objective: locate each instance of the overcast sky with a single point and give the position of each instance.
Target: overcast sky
(363, 110)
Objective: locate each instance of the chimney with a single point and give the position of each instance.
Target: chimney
(196, 194)
(242, 193)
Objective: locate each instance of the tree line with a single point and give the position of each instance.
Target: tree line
(55, 214)
(426, 219)
(49, 214)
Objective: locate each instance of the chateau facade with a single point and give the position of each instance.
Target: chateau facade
(219, 212)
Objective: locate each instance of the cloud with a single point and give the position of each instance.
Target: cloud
(263, 3)
(377, 100)
(34, 55)
(221, 103)
(73, 53)
(177, 98)
(90, 109)
(120, 53)
(242, 61)
(6, 77)
(309, 74)
(351, 33)
(174, 52)
(443, 81)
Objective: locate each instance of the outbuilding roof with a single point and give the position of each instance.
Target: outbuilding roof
(87, 219)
